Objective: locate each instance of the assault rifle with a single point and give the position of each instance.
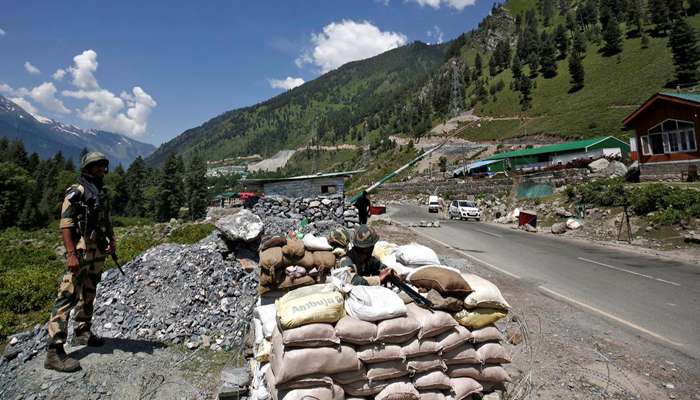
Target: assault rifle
(396, 281)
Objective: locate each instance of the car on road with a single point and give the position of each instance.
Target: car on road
(464, 209)
(433, 204)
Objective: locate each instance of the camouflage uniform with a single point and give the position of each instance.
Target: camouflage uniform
(365, 272)
(78, 289)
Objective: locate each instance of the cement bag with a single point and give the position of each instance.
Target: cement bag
(258, 332)
(454, 338)
(426, 363)
(334, 392)
(345, 378)
(432, 395)
(478, 318)
(446, 281)
(397, 330)
(398, 391)
(494, 373)
(484, 294)
(416, 254)
(306, 382)
(310, 304)
(487, 334)
(435, 380)
(295, 271)
(295, 363)
(374, 303)
(465, 387)
(294, 249)
(272, 258)
(261, 352)
(377, 353)
(383, 248)
(261, 391)
(316, 243)
(493, 353)
(324, 260)
(573, 224)
(354, 331)
(432, 323)
(290, 283)
(465, 354)
(366, 388)
(311, 335)
(464, 371)
(386, 370)
(268, 317)
(417, 348)
(444, 303)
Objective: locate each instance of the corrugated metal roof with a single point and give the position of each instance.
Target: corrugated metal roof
(554, 148)
(472, 166)
(695, 97)
(302, 177)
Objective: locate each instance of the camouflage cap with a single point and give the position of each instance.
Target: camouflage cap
(339, 237)
(92, 157)
(365, 236)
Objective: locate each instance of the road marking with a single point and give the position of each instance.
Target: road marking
(488, 233)
(501, 270)
(628, 271)
(608, 315)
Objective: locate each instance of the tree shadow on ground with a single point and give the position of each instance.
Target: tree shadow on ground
(125, 345)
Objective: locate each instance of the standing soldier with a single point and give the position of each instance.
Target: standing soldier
(362, 204)
(86, 229)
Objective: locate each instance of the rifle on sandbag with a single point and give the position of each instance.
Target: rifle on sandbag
(415, 296)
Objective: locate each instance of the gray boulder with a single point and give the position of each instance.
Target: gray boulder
(244, 226)
(598, 165)
(559, 228)
(615, 169)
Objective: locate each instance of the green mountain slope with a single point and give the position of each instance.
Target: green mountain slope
(337, 107)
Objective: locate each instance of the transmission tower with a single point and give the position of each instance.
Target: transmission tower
(457, 94)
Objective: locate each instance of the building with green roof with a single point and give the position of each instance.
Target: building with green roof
(563, 153)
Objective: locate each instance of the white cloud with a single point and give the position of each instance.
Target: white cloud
(436, 34)
(31, 69)
(3, 32)
(345, 41)
(8, 90)
(28, 107)
(436, 4)
(45, 94)
(289, 83)
(83, 69)
(59, 74)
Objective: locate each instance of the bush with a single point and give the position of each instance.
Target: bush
(123, 222)
(190, 233)
(648, 198)
(28, 289)
(668, 216)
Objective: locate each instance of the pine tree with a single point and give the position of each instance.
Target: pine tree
(576, 71)
(18, 155)
(548, 57)
(644, 41)
(135, 180)
(579, 46)
(533, 60)
(612, 37)
(547, 12)
(517, 69)
(525, 88)
(169, 191)
(659, 15)
(196, 183)
(493, 66)
(693, 7)
(478, 67)
(561, 40)
(686, 55)
(118, 190)
(633, 17)
(571, 24)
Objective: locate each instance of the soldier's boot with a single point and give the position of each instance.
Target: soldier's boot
(87, 338)
(57, 359)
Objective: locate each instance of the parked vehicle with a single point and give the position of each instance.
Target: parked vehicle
(433, 204)
(464, 209)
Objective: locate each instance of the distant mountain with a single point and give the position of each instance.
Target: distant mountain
(46, 137)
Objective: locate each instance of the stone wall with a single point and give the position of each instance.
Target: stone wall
(667, 171)
(314, 209)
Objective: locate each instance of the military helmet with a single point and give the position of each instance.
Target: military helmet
(92, 157)
(365, 236)
(339, 237)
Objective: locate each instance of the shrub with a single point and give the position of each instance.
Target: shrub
(648, 198)
(668, 216)
(190, 233)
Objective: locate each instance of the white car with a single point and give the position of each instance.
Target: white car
(433, 204)
(464, 209)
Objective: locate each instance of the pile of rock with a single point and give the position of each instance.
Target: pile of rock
(331, 208)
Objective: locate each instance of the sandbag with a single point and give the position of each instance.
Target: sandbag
(465, 354)
(294, 249)
(262, 351)
(446, 281)
(316, 243)
(432, 323)
(268, 317)
(354, 331)
(294, 363)
(484, 294)
(324, 260)
(493, 353)
(307, 261)
(311, 335)
(386, 370)
(425, 363)
(494, 373)
(444, 303)
(416, 254)
(465, 387)
(339, 237)
(431, 395)
(397, 330)
(374, 303)
(486, 334)
(258, 331)
(479, 317)
(295, 271)
(366, 388)
(417, 348)
(290, 283)
(311, 304)
(344, 378)
(272, 258)
(377, 353)
(398, 391)
(464, 371)
(454, 338)
(434, 380)
(306, 382)
(275, 241)
(334, 392)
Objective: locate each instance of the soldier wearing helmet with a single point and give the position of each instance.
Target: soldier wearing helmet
(367, 269)
(86, 229)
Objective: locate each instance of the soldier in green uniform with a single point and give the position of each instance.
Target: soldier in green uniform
(367, 269)
(86, 229)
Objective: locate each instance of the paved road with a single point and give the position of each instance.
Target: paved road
(656, 297)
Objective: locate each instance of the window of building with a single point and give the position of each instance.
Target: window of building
(670, 136)
(328, 189)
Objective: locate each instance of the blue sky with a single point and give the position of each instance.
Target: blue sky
(152, 69)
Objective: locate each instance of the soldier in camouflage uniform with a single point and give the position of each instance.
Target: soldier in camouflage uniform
(86, 228)
(367, 269)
